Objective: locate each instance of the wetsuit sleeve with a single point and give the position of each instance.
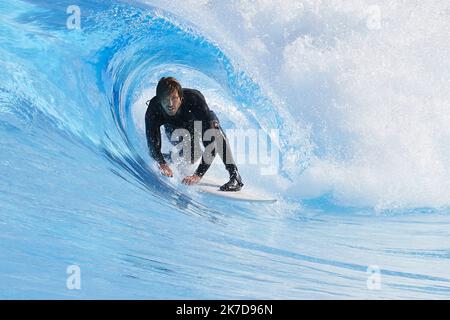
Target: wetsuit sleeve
(153, 133)
(201, 109)
(209, 121)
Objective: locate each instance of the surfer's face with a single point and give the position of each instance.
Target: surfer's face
(171, 103)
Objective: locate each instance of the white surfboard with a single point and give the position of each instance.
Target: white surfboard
(212, 185)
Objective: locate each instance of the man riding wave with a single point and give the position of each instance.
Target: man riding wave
(181, 109)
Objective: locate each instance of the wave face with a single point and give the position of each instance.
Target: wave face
(357, 92)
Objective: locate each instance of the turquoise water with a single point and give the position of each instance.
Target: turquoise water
(77, 186)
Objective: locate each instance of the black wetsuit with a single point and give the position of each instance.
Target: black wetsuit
(193, 108)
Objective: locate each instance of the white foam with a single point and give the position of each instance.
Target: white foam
(370, 77)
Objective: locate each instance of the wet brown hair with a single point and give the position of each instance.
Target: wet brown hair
(166, 86)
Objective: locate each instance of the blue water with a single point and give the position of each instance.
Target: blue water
(78, 188)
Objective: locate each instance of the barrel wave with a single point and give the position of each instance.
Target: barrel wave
(81, 199)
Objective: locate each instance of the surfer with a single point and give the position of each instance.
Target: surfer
(175, 108)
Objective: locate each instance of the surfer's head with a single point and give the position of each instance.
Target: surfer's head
(170, 95)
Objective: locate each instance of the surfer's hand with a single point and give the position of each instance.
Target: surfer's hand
(165, 170)
(190, 180)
